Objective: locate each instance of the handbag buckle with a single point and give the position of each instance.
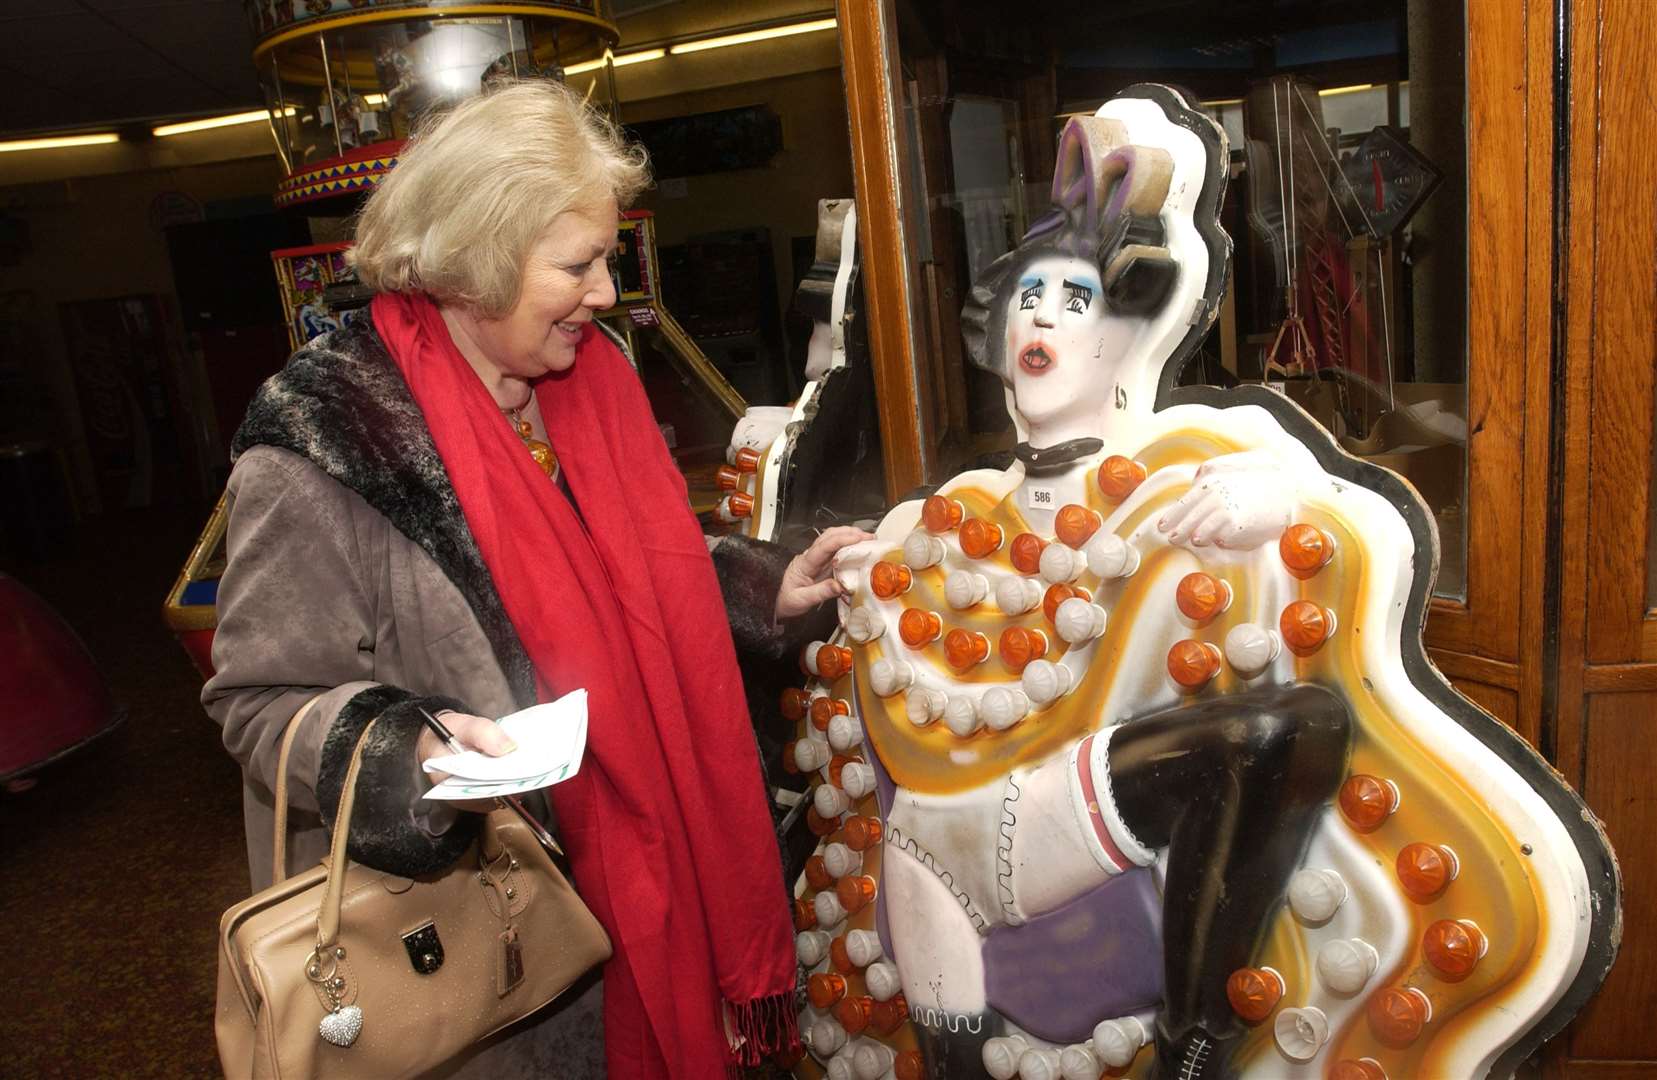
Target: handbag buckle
(425, 948)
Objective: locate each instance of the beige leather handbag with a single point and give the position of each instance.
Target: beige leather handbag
(348, 972)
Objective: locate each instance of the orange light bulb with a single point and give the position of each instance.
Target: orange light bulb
(1057, 594)
(729, 478)
(1201, 596)
(789, 765)
(1358, 1069)
(853, 1014)
(1254, 993)
(1305, 549)
(1306, 626)
(805, 915)
(1018, 646)
(825, 709)
(862, 833)
(965, 649)
(739, 504)
(746, 460)
(919, 628)
(1193, 664)
(889, 579)
(1397, 1015)
(1075, 524)
(910, 1065)
(795, 702)
(940, 515)
(833, 661)
(979, 538)
(1453, 947)
(1425, 869)
(1026, 553)
(888, 1016)
(1119, 476)
(816, 874)
(838, 956)
(825, 988)
(818, 824)
(1367, 801)
(855, 892)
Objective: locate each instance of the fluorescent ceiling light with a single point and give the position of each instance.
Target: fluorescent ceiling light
(638, 57)
(1345, 89)
(584, 67)
(58, 141)
(376, 100)
(1217, 102)
(214, 122)
(753, 35)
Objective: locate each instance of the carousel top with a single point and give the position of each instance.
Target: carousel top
(275, 21)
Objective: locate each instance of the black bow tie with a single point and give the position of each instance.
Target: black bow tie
(1046, 459)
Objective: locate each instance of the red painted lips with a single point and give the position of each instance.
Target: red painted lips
(1036, 360)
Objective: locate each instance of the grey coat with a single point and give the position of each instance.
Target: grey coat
(352, 574)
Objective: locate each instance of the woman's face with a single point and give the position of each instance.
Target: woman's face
(566, 281)
(1062, 346)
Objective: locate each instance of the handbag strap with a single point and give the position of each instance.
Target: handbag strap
(279, 847)
(327, 912)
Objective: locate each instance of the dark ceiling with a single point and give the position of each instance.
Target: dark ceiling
(75, 63)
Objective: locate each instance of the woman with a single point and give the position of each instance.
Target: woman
(462, 503)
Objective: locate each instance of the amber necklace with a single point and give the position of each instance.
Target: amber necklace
(540, 451)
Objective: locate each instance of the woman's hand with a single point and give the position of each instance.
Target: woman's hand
(1236, 502)
(472, 733)
(808, 581)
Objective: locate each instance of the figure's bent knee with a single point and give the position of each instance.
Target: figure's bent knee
(1301, 732)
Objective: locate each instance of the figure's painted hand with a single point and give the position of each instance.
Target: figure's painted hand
(808, 582)
(1236, 502)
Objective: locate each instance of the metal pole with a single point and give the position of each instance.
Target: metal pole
(328, 85)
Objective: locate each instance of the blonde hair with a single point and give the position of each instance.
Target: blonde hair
(476, 187)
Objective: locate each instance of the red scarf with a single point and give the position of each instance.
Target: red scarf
(666, 824)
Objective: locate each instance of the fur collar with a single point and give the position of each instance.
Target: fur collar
(341, 404)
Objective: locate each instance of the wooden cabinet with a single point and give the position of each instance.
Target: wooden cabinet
(1606, 693)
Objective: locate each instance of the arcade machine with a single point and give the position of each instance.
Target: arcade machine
(344, 85)
(1128, 759)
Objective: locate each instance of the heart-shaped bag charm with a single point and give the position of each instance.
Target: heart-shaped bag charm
(342, 1026)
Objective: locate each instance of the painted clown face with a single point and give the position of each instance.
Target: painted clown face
(1063, 348)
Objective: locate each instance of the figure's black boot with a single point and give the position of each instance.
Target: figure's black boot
(1194, 1054)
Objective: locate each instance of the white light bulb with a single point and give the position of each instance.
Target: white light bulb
(1250, 648)
(1315, 895)
(882, 980)
(810, 946)
(1079, 621)
(922, 550)
(1001, 1056)
(1016, 595)
(1110, 556)
(1060, 563)
(844, 732)
(1345, 965)
(964, 589)
(1045, 682)
(961, 715)
(840, 860)
(1301, 1033)
(888, 677)
(863, 947)
(858, 780)
(1117, 1042)
(1003, 707)
(864, 625)
(923, 706)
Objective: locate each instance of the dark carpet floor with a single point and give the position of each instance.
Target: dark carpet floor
(115, 868)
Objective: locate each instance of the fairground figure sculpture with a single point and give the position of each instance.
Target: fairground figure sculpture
(1129, 758)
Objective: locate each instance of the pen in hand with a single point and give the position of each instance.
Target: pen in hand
(545, 838)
